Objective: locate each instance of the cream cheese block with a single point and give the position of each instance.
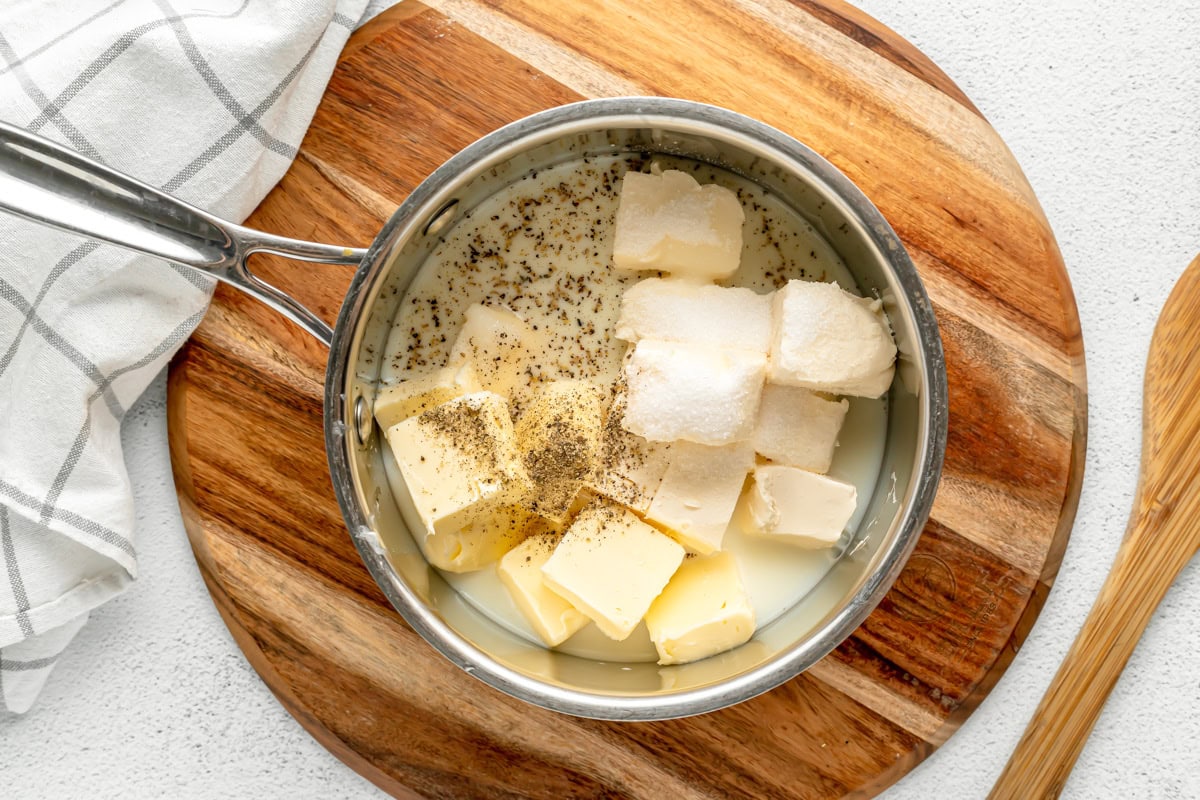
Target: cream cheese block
(558, 436)
(699, 493)
(703, 611)
(415, 395)
(703, 314)
(500, 346)
(829, 340)
(798, 506)
(797, 427)
(554, 619)
(630, 467)
(692, 392)
(610, 565)
(459, 460)
(671, 223)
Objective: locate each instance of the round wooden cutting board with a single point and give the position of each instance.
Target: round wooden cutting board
(421, 82)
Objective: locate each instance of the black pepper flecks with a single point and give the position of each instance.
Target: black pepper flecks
(543, 248)
(470, 427)
(534, 251)
(540, 546)
(559, 435)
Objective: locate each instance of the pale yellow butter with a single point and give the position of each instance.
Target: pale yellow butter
(459, 461)
(396, 403)
(699, 493)
(481, 541)
(553, 618)
(558, 436)
(704, 610)
(610, 565)
(499, 345)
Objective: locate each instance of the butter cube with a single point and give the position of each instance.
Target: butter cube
(499, 345)
(797, 427)
(682, 311)
(610, 565)
(699, 493)
(703, 611)
(397, 403)
(829, 340)
(797, 506)
(459, 460)
(630, 467)
(558, 436)
(481, 541)
(671, 223)
(520, 570)
(692, 392)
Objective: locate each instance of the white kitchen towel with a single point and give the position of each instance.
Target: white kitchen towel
(206, 99)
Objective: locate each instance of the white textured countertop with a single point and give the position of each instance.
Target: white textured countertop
(1100, 103)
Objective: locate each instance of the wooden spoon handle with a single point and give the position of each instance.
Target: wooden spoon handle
(1143, 570)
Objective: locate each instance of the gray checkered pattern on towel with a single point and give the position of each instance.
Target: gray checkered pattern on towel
(207, 99)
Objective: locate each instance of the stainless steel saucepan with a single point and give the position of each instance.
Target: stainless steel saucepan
(50, 184)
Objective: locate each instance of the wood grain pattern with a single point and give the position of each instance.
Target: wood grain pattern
(412, 89)
(1161, 539)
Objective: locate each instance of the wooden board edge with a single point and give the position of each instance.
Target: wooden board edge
(1070, 507)
(379, 25)
(860, 27)
(258, 660)
(1053, 560)
(193, 524)
(1045, 583)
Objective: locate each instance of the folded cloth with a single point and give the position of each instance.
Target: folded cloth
(206, 99)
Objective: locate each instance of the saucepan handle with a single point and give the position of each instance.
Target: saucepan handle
(53, 185)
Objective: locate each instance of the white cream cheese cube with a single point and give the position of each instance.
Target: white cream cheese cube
(697, 313)
(459, 460)
(630, 467)
(829, 340)
(415, 395)
(797, 427)
(558, 435)
(499, 345)
(703, 611)
(699, 493)
(553, 618)
(671, 223)
(610, 565)
(692, 392)
(798, 506)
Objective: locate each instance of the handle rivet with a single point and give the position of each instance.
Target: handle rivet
(364, 426)
(441, 218)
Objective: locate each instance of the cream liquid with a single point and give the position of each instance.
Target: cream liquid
(542, 247)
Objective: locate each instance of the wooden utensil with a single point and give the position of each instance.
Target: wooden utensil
(1163, 535)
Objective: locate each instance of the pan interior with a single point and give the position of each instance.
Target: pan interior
(777, 651)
